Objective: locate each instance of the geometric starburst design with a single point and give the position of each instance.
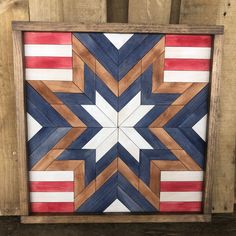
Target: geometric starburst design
(116, 122)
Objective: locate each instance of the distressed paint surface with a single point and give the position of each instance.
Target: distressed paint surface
(124, 114)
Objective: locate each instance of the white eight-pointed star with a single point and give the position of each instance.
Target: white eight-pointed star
(117, 126)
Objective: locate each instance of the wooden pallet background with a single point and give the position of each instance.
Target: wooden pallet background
(132, 11)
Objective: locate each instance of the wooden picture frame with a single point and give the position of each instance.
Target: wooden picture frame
(20, 27)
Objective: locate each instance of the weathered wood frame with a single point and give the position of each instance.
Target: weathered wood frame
(20, 27)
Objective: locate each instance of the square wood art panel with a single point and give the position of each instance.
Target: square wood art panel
(116, 122)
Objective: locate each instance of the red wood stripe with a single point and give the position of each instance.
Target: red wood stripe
(48, 62)
(187, 64)
(180, 206)
(52, 207)
(188, 40)
(181, 186)
(49, 186)
(47, 38)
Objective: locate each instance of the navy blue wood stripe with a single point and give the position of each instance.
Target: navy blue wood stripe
(195, 139)
(134, 42)
(150, 138)
(106, 160)
(89, 83)
(47, 145)
(99, 54)
(45, 108)
(184, 142)
(39, 138)
(102, 198)
(192, 119)
(149, 98)
(74, 98)
(138, 53)
(129, 160)
(38, 115)
(189, 108)
(89, 156)
(106, 46)
(146, 156)
(134, 194)
(106, 93)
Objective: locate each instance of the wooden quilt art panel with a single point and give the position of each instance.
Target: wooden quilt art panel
(116, 122)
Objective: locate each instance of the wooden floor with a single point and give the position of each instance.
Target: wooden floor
(222, 224)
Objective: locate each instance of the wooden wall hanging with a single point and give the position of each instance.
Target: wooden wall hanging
(113, 119)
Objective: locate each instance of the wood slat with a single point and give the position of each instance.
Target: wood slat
(220, 13)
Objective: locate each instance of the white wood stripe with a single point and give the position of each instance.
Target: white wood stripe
(129, 108)
(186, 76)
(99, 138)
(51, 176)
(137, 115)
(33, 126)
(118, 40)
(110, 112)
(128, 145)
(201, 127)
(181, 196)
(98, 115)
(188, 52)
(117, 206)
(182, 175)
(46, 50)
(49, 74)
(136, 138)
(51, 197)
(107, 145)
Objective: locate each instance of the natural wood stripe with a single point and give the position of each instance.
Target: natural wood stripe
(47, 159)
(153, 54)
(106, 174)
(107, 78)
(95, 65)
(158, 72)
(130, 77)
(165, 138)
(172, 87)
(168, 114)
(127, 173)
(45, 92)
(78, 71)
(62, 87)
(83, 52)
(169, 165)
(75, 165)
(79, 178)
(85, 194)
(69, 138)
(52, 155)
(186, 160)
(192, 91)
(68, 115)
(155, 176)
(149, 195)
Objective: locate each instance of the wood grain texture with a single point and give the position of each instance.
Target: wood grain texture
(149, 11)
(10, 187)
(117, 11)
(115, 219)
(115, 27)
(220, 12)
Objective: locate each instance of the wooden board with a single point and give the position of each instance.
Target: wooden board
(117, 11)
(195, 90)
(149, 11)
(55, 10)
(9, 194)
(220, 12)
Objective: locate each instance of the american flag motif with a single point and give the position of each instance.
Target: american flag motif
(116, 122)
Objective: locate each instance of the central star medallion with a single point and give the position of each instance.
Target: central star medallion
(117, 126)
